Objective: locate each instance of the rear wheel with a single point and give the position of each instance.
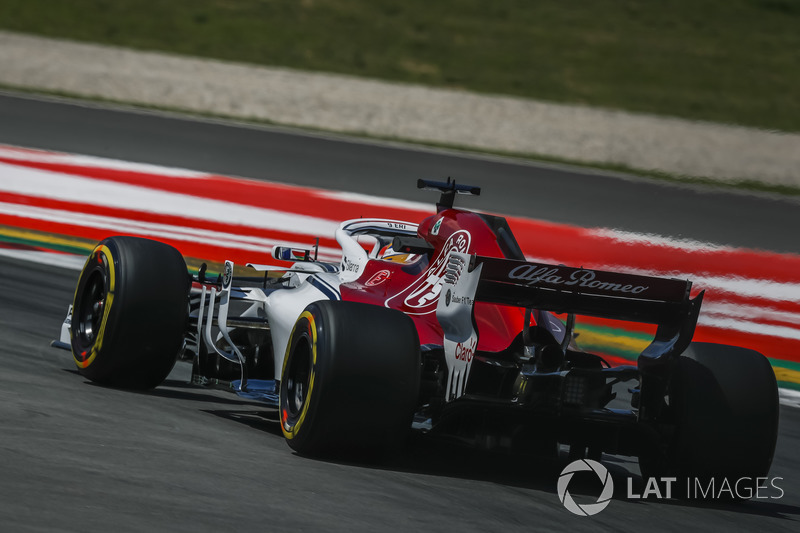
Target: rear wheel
(350, 379)
(129, 313)
(723, 405)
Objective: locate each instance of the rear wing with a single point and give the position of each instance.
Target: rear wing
(583, 291)
(561, 289)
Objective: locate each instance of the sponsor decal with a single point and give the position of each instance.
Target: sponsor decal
(447, 297)
(378, 278)
(585, 279)
(436, 226)
(463, 300)
(421, 296)
(349, 266)
(465, 351)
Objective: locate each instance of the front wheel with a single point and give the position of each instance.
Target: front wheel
(350, 379)
(129, 313)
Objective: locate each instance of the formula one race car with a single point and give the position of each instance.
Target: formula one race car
(440, 327)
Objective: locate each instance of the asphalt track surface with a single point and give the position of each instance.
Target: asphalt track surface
(78, 457)
(516, 187)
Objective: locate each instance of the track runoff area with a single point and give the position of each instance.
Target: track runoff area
(54, 207)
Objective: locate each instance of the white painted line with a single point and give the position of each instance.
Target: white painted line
(376, 200)
(789, 397)
(68, 261)
(750, 312)
(116, 225)
(652, 239)
(41, 156)
(56, 186)
(748, 326)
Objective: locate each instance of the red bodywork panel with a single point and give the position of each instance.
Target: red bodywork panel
(413, 288)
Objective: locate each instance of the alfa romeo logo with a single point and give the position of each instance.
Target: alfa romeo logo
(588, 509)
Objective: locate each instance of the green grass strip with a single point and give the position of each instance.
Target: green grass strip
(783, 363)
(789, 385)
(730, 62)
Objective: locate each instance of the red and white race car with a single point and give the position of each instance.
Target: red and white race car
(440, 327)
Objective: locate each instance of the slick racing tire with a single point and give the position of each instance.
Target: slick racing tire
(723, 401)
(350, 380)
(129, 313)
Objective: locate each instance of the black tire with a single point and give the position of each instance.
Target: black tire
(723, 402)
(129, 313)
(350, 380)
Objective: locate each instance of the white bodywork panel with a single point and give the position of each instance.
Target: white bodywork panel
(66, 327)
(283, 307)
(454, 312)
